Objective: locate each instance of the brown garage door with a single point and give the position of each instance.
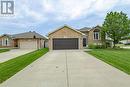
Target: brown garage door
(65, 43)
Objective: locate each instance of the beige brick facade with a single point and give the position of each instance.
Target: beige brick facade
(91, 38)
(10, 42)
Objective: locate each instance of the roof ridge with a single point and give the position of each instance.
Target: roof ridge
(28, 35)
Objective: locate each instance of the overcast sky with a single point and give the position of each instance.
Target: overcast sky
(44, 16)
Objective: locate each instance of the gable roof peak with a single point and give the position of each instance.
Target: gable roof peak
(67, 27)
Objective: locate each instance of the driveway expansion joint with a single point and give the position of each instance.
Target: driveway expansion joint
(67, 74)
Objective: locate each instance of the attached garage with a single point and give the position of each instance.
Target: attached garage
(65, 43)
(65, 38)
(29, 40)
(28, 44)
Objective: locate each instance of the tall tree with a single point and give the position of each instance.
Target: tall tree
(116, 26)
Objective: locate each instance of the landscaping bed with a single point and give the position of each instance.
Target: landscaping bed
(11, 67)
(119, 58)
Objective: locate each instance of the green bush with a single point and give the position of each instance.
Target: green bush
(92, 46)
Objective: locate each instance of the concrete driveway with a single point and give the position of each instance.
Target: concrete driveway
(13, 53)
(68, 69)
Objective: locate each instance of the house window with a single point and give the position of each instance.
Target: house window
(96, 36)
(5, 42)
(84, 42)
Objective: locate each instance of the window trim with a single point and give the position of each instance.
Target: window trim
(94, 35)
(5, 42)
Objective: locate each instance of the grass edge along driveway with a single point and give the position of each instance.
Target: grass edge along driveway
(4, 50)
(119, 58)
(11, 67)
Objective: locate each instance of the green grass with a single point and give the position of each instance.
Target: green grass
(119, 58)
(11, 67)
(4, 50)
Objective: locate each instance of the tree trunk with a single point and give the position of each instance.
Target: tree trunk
(114, 42)
(114, 45)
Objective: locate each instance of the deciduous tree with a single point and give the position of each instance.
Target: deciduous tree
(116, 26)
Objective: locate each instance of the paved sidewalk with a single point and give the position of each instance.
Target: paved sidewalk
(13, 53)
(71, 68)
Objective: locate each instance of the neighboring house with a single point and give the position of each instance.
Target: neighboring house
(68, 38)
(127, 41)
(6, 41)
(27, 40)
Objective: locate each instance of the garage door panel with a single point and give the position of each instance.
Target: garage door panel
(28, 44)
(65, 43)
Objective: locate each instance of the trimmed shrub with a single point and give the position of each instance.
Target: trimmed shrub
(92, 46)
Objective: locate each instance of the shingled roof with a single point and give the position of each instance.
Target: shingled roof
(8, 35)
(85, 29)
(29, 34)
(88, 28)
(97, 27)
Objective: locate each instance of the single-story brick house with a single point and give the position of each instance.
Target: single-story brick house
(27, 40)
(69, 38)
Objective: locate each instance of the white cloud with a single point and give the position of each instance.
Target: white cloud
(38, 11)
(75, 9)
(124, 2)
(47, 12)
(48, 6)
(102, 5)
(67, 9)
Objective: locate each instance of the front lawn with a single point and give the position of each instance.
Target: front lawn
(11, 67)
(4, 50)
(118, 58)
